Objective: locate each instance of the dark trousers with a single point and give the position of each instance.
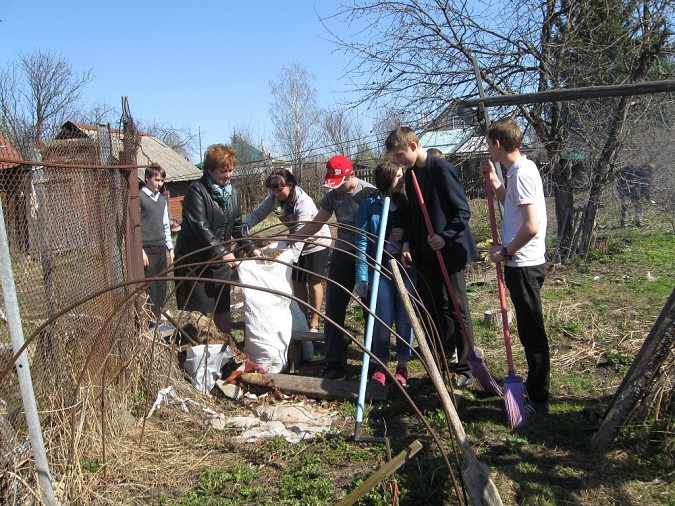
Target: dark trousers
(524, 284)
(157, 289)
(437, 300)
(342, 272)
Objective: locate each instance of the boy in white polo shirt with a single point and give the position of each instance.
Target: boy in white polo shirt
(523, 249)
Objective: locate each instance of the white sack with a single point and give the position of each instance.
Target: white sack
(268, 318)
(203, 368)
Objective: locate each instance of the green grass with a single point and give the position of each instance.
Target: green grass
(598, 312)
(215, 482)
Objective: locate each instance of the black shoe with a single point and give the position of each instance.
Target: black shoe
(463, 381)
(333, 373)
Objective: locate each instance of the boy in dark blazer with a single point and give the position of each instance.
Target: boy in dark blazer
(449, 212)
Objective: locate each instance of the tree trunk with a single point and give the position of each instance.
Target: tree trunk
(587, 224)
(564, 206)
(600, 175)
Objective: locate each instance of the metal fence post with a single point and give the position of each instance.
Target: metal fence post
(22, 367)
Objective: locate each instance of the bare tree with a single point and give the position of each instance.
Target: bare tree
(387, 120)
(342, 132)
(366, 156)
(38, 93)
(416, 55)
(182, 140)
(294, 114)
(100, 112)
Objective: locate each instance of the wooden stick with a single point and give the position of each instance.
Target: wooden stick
(477, 481)
(640, 377)
(315, 388)
(381, 474)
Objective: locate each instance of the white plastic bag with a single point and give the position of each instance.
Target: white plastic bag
(204, 367)
(267, 316)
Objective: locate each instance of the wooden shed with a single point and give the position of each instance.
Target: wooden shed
(180, 172)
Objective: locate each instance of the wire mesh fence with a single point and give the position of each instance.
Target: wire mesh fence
(72, 247)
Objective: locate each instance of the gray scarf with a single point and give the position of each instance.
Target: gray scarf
(222, 194)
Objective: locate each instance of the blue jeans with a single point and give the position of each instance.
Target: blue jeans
(391, 310)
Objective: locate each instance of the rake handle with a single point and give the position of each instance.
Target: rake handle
(500, 277)
(444, 270)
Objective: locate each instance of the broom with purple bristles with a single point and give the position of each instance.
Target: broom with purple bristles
(478, 369)
(514, 388)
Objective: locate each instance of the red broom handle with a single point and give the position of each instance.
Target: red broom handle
(439, 255)
(500, 278)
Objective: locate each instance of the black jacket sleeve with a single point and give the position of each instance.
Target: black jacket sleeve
(197, 216)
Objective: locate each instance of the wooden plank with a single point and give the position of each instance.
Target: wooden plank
(560, 95)
(381, 474)
(295, 356)
(297, 335)
(640, 376)
(316, 388)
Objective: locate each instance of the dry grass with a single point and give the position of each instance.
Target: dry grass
(596, 328)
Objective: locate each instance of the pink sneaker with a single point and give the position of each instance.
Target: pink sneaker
(402, 375)
(379, 377)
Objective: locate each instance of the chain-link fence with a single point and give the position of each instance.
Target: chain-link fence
(73, 243)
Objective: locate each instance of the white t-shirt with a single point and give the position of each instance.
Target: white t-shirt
(524, 186)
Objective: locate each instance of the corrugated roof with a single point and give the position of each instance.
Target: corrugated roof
(474, 145)
(446, 140)
(151, 151)
(154, 151)
(7, 151)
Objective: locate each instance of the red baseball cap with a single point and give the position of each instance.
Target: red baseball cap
(337, 169)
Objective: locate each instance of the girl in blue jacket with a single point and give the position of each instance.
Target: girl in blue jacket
(388, 179)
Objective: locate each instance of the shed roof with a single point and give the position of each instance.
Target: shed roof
(474, 145)
(8, 151)
(151, 151)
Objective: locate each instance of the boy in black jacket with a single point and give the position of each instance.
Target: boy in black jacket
(449, 212)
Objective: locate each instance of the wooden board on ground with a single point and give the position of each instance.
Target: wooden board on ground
(316, 388)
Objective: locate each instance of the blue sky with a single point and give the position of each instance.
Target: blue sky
(196, 63)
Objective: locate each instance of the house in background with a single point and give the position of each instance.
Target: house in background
(85, 146)
(14, 193)
(461, 139)
(253, 166)
(448, 131)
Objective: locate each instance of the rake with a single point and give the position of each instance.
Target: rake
(514, 388)
(480, 372)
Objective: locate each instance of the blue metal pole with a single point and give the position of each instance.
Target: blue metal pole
(372, 306)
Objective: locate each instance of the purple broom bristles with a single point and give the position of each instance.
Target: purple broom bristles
(516, 405)
(485, 379)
